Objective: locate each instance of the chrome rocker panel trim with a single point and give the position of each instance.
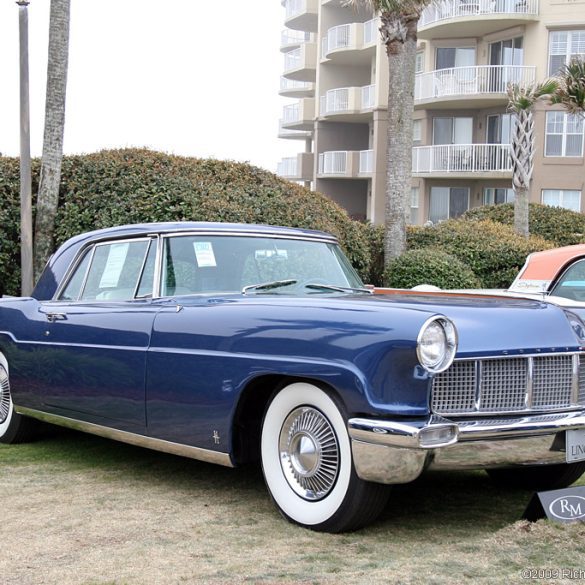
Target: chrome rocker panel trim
(130, 438)
(397, 452)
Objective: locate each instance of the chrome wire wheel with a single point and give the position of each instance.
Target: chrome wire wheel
(4, 395)
(309, 453)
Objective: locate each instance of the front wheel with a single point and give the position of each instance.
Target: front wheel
(14, 428)
(307, 463)
(541, 477)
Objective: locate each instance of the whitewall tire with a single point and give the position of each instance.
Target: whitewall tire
(307, 462)
(14, 428)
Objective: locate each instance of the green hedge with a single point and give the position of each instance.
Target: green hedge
(493, 251)
(130, 186)
(429, 266)
(561, 226)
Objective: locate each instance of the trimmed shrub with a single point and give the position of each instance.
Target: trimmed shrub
(429, 266)
(493, 251)
(376, 252)
(558, 225)
(137, 186)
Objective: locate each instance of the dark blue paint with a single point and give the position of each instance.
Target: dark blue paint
(176, 368)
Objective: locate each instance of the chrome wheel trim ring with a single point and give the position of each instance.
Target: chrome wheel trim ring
(309, 453)
(4, 395)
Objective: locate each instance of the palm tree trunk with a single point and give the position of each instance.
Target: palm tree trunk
(48, 196)
(401, 62)
(521, 211)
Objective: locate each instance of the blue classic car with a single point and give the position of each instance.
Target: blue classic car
(238, 343)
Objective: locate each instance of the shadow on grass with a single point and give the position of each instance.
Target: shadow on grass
(450, 501)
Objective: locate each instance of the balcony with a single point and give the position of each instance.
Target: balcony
(301, 64)
(293, 39)
(288, 134)
(299, 116)
(473, 18)
(346, 164)
(292, 88)
(296, 168)
(301, 15)
(351, 104)
(485, 85)
(461, 160)
(349, 43)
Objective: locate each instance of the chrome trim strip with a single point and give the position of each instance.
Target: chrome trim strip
(565, 351)
(130, 438)
(575, 389)
(478, 384)
(406, 434)
(529, 395)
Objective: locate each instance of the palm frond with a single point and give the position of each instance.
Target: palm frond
(390, 6)
(571, 90)
(522, 97)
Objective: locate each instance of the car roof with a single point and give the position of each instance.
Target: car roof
(191, 226)
(541, 268)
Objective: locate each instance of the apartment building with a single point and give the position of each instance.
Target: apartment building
(336, 70)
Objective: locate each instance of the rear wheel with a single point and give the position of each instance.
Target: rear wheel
(307, 463)
(541, 477)
(14, 428)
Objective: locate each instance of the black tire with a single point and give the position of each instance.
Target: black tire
(541, 477)
(14, 428)
(307, 463)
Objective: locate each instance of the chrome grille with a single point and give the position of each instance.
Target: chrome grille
(510, 385)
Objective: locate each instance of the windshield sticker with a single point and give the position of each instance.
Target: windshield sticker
(114, 264)
(204, 254)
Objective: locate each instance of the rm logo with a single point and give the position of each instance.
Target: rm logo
(568, 508)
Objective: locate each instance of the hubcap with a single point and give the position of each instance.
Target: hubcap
(309, 453)
(4, 395)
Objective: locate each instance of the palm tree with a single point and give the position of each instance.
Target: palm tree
(48, 196)
(399, 33)
(521, 102)
(570, 92)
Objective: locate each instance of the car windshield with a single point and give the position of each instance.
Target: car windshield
(257, 265)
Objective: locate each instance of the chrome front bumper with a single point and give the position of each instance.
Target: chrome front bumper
(397, 452)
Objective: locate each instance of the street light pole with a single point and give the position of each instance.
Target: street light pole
(26, 240)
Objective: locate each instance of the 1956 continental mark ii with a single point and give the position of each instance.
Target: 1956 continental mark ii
(235, 343)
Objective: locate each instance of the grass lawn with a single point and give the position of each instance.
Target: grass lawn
(78, 509)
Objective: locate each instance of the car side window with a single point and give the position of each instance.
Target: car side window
(571, 285)
(111, 271)
(73, 289)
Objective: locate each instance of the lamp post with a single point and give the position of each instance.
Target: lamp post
(26, 243)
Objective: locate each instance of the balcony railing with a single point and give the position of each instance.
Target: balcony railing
(366, 162)
(370, 31)
(292, 85)
(460, 158)
(293, 59)
(445, 9)
(295, 37)
(287, 167)
(333, 162)
(347, 99)
(465, 81)
(294, 7)
(356, 35)
(368, 97)
(291, 113)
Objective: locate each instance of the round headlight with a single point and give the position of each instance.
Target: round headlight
(437, 344)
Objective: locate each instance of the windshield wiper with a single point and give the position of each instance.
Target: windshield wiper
(268, 285)
(345, 289)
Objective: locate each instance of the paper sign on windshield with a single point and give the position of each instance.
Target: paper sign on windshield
(204, 254)
(114, 264)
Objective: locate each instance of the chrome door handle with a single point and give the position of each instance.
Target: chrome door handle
(52, 317)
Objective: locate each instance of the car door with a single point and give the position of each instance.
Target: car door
(97, 333)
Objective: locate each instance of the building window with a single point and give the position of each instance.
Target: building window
(500, 128)
(563, 46)
(414, 203)
(417, 130)
(419, 64)
(495, 196)
(448, 202)
(564, 134)
(447, 58)
(562, 198)
(452, 130)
